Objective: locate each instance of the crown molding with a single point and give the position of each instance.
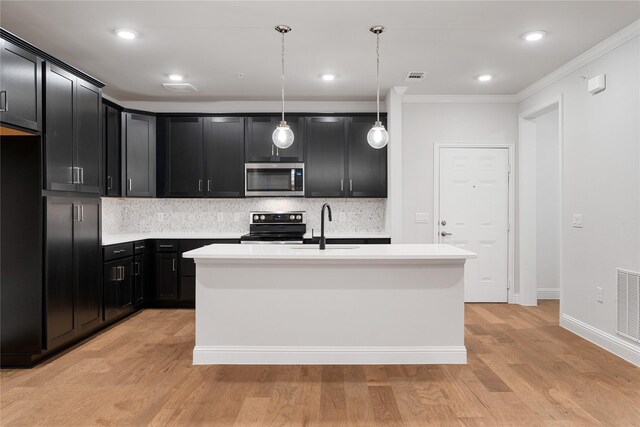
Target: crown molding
(436, 99)
(602, 48)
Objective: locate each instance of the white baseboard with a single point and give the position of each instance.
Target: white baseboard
(267, 355)
(548, 293)
(618, 346)
(514, 299)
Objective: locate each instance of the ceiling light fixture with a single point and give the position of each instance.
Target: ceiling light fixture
(328, 77)
(283, 135)
(176, 77)
(126, 34)
(484, 77)
(534, 36)
(378, 137)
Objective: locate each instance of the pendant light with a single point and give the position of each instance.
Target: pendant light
(378, 136)
(283, 135)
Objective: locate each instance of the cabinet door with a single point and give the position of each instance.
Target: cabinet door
(59, 136)
(20, 87)
(140, 155)
(185, 157)
(224, 147)
(166, 277)
(125, 297)
(295, 153)
(140, 278)
(113, 160)
(325, 164)
(88, 143)
(258, 144)
(367, 165)
(59, 277)
(87, 250)
(112, 277)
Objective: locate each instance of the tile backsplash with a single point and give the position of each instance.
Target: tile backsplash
(232, 215)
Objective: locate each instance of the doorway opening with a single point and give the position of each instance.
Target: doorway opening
(540, 203)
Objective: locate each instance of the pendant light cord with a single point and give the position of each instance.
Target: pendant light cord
(378, 76)
(282, 76)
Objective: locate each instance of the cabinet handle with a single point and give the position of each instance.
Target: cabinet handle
(209, 185)
(5, 101)
(272, 150)
(82, 213)
(74, 175)
(130, 184)
(173, 264)
(277, 151)
(109, 183)
(81, 175)
(342, 185)
(166, 246)
(75, 216)
(199, 185)
(139, 247)
(119, 251)
(137, 271)
(351, 185)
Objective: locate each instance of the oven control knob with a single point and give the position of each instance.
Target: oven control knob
(299, 217)
(262, 217)
(292, 217)
(255, 217)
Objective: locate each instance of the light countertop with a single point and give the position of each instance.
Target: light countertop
(113, 239)
(333, 252)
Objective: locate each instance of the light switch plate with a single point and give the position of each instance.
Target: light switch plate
(422, 217)
(599, 295)
(576, 220)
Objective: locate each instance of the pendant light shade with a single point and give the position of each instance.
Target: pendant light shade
(378, 137)
(283, 135)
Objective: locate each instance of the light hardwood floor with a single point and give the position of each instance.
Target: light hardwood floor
(523, 370)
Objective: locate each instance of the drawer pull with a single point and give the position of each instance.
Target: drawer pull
(119, 251)
(166, 246)
(139, 247)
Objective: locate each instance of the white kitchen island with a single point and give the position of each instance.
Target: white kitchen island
(295, 304)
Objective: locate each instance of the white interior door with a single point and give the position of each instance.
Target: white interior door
(474, 214)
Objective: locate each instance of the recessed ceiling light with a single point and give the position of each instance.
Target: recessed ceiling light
(328, 77)
(533, 36)
(127, 34)
(484, 77)
(176, 77)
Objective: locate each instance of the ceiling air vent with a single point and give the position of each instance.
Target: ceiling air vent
(413, 76)
(179, 87)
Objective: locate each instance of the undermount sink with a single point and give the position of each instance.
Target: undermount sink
(328, 248)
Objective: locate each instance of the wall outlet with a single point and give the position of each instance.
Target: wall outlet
(422, 217)
(220, 217)
(343, 217)
(599, 296)
(576, 220)
(236, 217)
(161, 216)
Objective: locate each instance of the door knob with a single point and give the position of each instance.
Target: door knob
(443, 222)
(445, 234)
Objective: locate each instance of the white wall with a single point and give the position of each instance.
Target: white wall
(602, 182)
(548, 201)
(426, 123)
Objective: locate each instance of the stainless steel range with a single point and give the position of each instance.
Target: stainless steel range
(275, 227)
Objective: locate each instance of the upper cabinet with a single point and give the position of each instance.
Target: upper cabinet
(20, 87)
(73, 141)
(112, 125)
(340, 162)
(139, 155)
(204, 156)
(259, 146)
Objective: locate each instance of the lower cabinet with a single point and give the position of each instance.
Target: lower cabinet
(118, 288)
(166, 277)
(73, 286)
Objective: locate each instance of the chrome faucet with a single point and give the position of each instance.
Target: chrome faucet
(323, 240)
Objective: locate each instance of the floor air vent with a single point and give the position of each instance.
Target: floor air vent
(629, 304)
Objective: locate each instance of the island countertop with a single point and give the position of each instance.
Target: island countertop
(333, 252)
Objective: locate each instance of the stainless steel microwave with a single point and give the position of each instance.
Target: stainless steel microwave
(273, 179)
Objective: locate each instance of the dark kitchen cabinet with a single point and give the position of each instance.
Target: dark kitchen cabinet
(73, 292)
(141, 281)
(224, 153)
(325, 154)
(259, 146)
(367, 171)
(166, 276)
(139, 155)
(185, 164)
(118, 288)
(72, 132)
(20, 87)
(112, 123)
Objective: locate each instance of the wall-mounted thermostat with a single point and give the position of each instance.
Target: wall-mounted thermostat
(597, 84)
